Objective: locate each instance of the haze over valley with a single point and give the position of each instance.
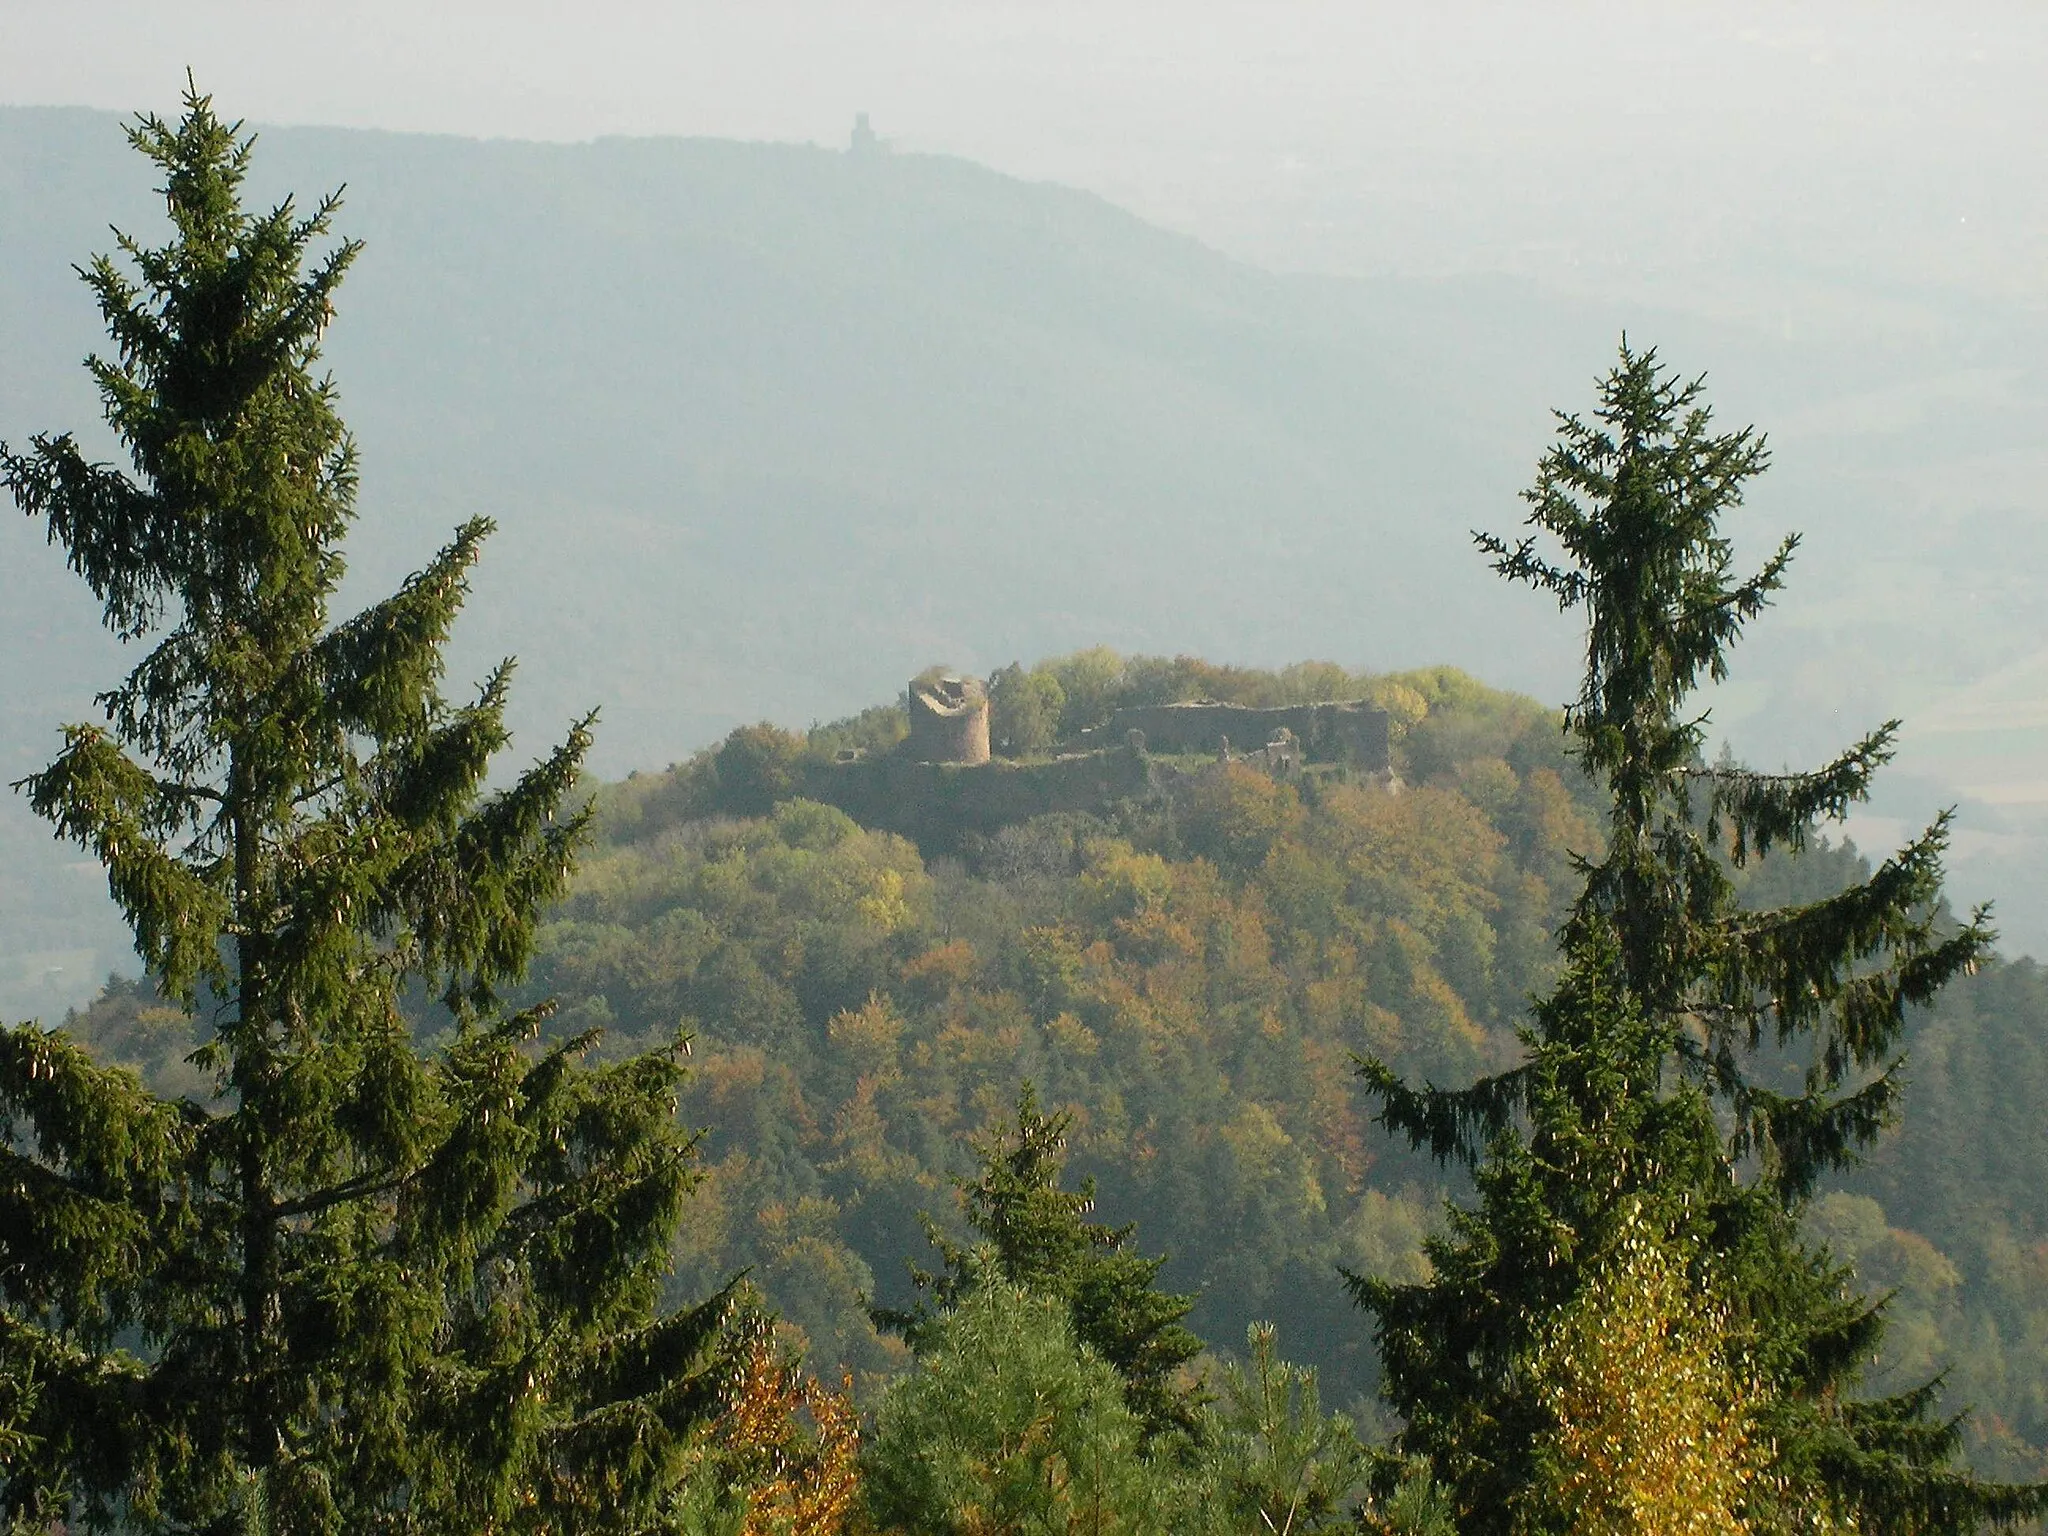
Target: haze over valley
(769, 426)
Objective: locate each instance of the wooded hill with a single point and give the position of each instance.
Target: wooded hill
(1194, 987)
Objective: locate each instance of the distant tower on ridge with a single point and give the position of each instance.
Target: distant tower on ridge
(948, 718)
(865, 143)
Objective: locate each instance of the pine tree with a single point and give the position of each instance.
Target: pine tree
(1009, 1425)
(1654, 1090)
(1036, 1235)
(366, 1285)
(1281, 1466)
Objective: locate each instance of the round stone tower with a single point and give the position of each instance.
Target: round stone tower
(948, 719)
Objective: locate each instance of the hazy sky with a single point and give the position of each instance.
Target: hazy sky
(1633, 142)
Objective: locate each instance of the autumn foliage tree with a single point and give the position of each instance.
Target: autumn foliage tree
(1653, 1423)
(782, 1457)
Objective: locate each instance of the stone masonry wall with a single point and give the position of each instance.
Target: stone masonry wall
(937, 804)
(1354, 733)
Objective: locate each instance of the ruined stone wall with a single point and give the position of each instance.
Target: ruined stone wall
(1356, 733)
(938, 804)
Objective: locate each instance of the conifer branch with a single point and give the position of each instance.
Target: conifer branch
(1764, 810)
(368, 1187)
(1453, 1125)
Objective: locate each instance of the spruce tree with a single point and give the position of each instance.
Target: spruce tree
(1655, 1095)
(366, 1285)
(1036, 1235)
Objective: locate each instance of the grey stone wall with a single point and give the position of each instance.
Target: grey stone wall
(938, 804)
(1354, 733)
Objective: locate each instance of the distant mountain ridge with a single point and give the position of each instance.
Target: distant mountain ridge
(768, 427)
(734, 370)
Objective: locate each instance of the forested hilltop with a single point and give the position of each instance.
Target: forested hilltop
(1193, 982)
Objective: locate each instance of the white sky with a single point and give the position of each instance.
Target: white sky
(1356, 136)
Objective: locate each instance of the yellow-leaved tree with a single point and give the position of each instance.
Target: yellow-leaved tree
(1654, 1430)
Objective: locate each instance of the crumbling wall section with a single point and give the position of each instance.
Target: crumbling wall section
(1357, 732)
(937, 805)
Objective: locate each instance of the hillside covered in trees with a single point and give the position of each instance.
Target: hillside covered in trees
(1193, 984)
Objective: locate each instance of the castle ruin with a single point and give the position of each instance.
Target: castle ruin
(1355, 732)
(942, 788)
(948, 719)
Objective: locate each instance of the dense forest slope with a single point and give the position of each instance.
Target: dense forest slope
(1192, 978)
(769, 426)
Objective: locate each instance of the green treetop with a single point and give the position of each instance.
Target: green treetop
(361, 1286)
(1036, 1235)
(1009, 1424)
(1655, 1098)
